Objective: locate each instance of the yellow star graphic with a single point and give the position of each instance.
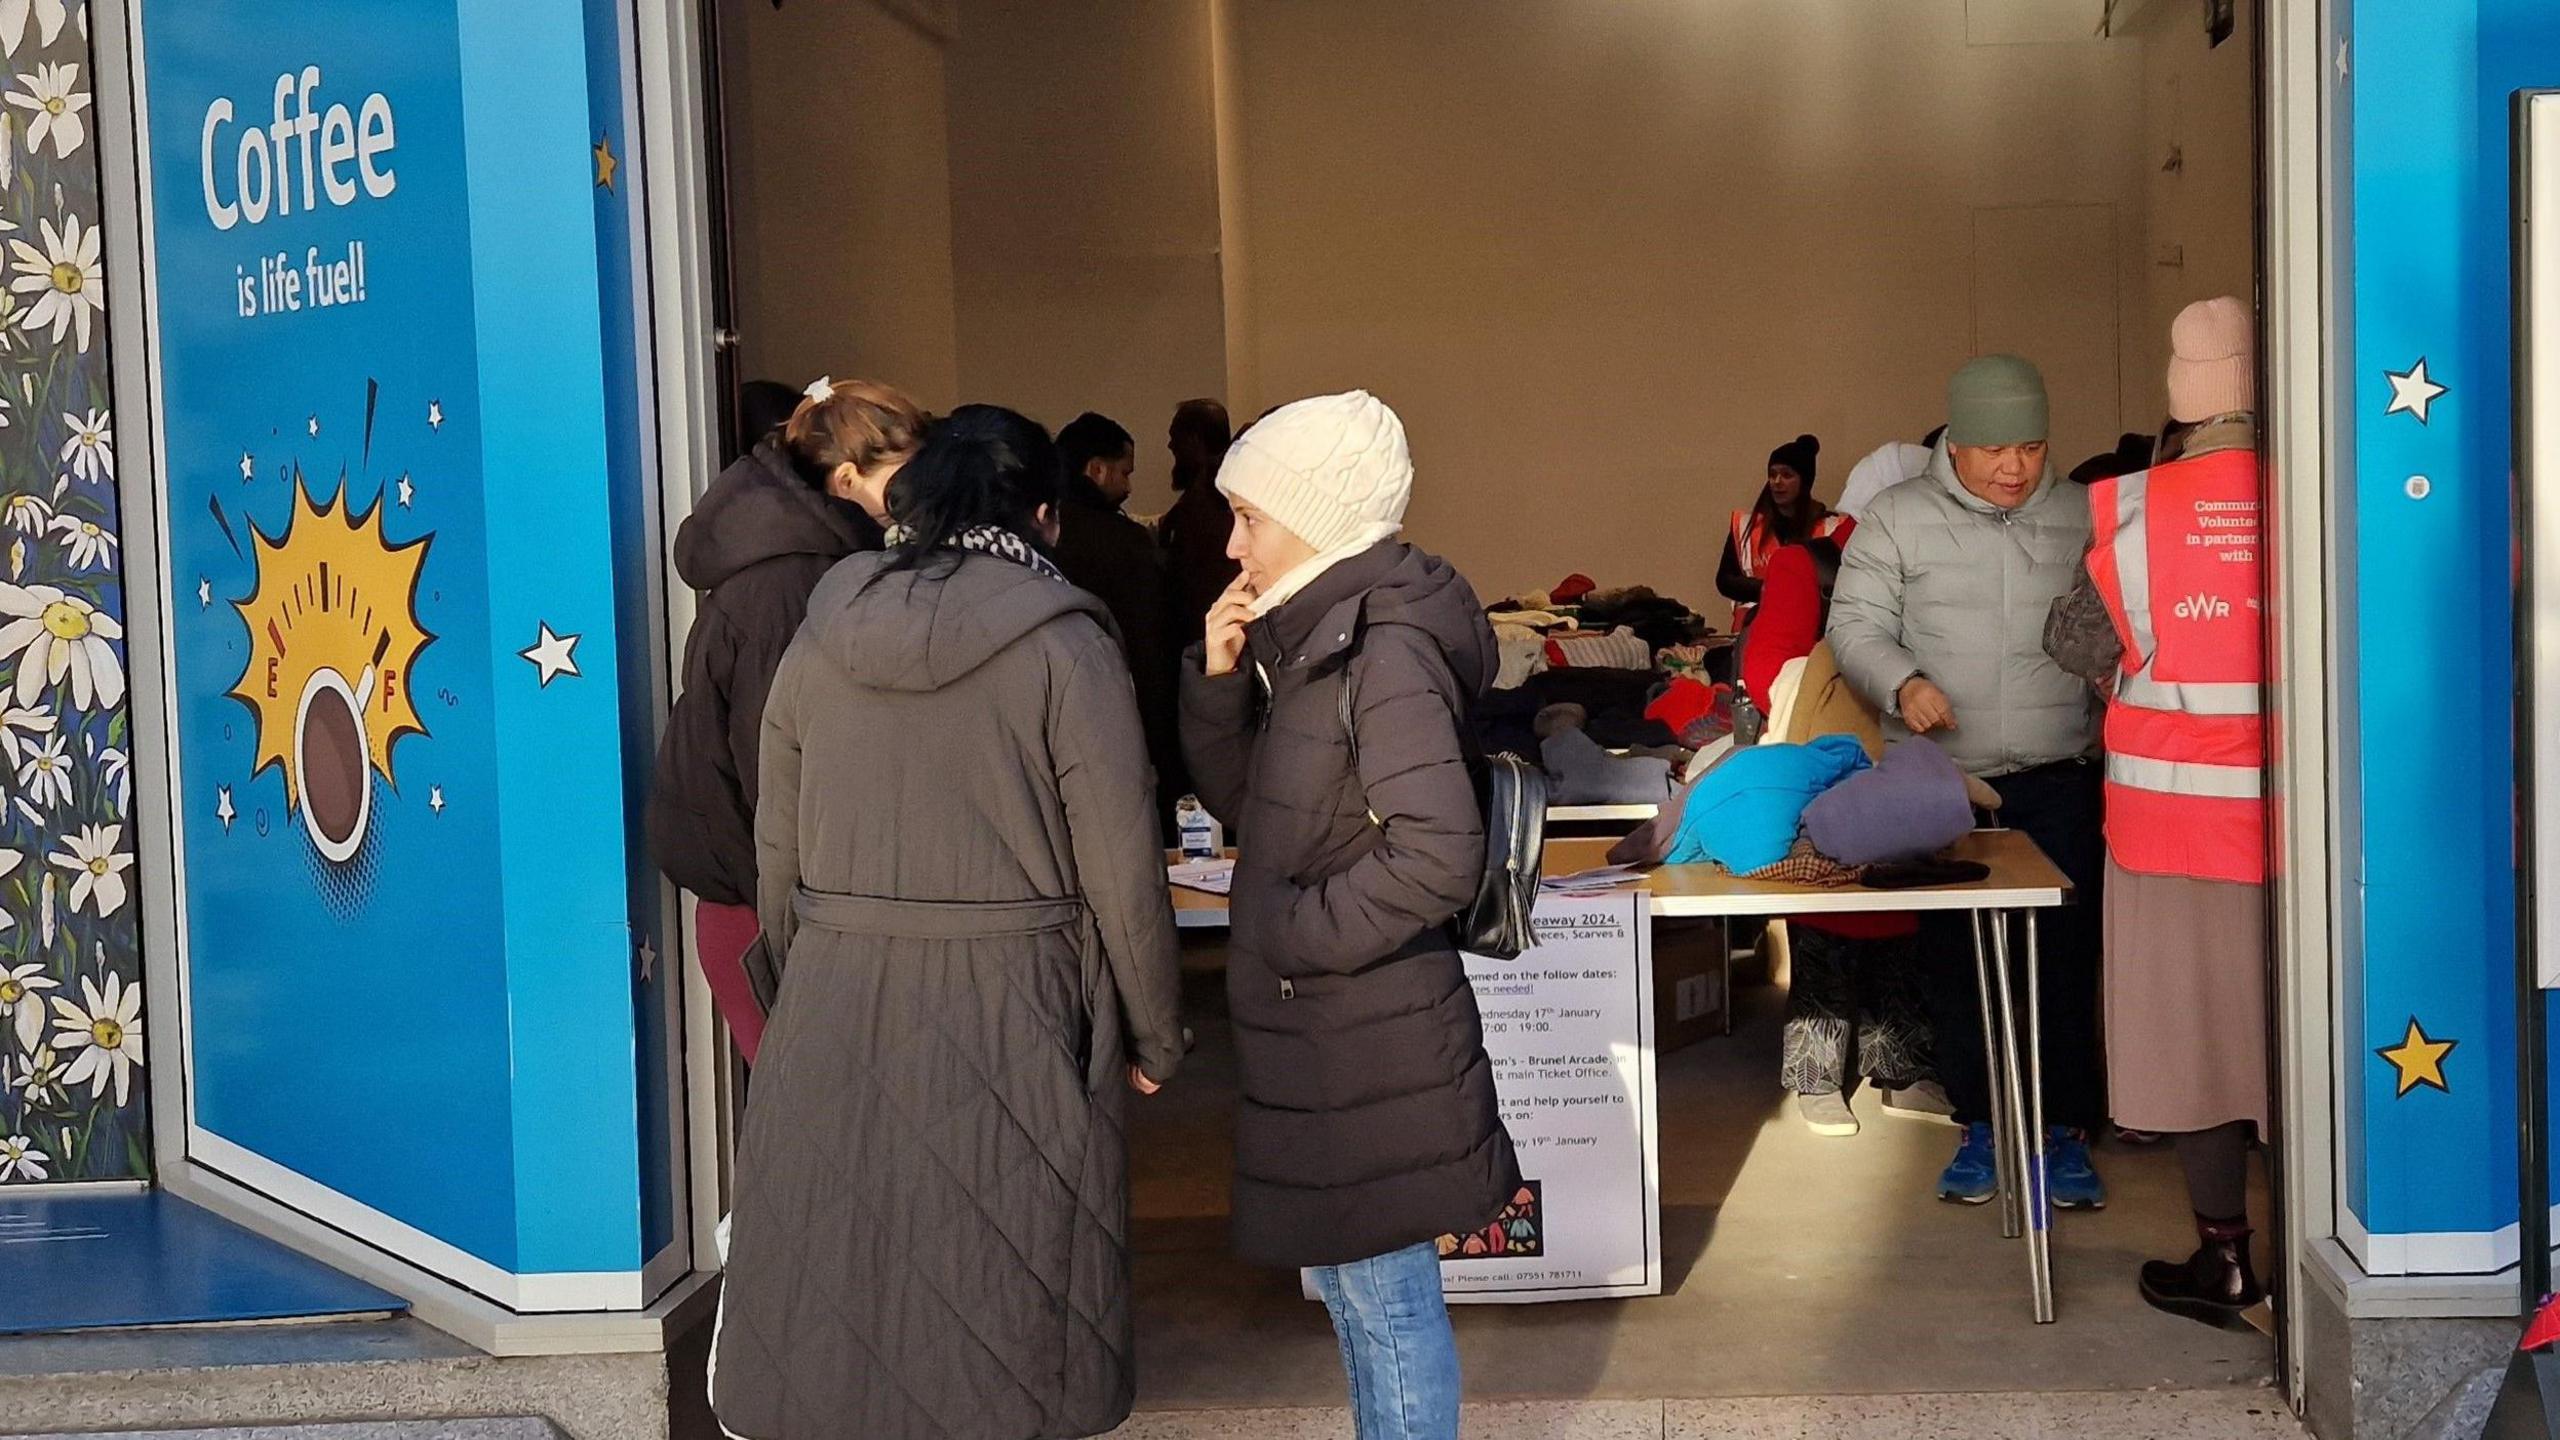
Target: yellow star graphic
(2419, 1060)
(606, 164)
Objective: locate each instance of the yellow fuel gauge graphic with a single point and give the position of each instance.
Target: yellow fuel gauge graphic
(333, 636)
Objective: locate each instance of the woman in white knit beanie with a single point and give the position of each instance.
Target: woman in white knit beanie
(1322, 718)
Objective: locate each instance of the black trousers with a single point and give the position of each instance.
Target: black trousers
(2061, 808)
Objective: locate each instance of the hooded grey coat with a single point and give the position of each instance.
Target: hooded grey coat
(1941, 583)
(957, 856)
(1368, 1119)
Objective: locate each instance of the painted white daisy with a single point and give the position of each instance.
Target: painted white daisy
(103, 1037)
(44, 910)
(64, 277)
(39, 1080)
(91, 545)
(91, 450)
(14, 14)
(17, 722)
(46, 777)
(4, 400)
(116, 769)
(32, 514)
(97, 868)
(21, 1160)
(22, 990)
(52, 97)
(54, 636)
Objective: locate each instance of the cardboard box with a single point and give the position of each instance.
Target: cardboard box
(1689, 999)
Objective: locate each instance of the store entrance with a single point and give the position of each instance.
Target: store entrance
(1603, 260)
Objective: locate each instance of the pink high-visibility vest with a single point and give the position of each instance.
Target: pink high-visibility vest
(2177, 553)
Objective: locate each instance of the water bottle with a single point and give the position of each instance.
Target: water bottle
(1198, 828)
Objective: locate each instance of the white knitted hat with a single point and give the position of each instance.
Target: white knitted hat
(1331, 470)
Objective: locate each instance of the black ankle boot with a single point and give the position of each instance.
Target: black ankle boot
(2215, 1285)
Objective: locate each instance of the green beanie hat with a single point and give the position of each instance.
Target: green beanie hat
(1997, 400)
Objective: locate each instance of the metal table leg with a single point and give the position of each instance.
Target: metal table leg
(2040, 1228)
(2026, 1110)
(2004, 1166)
(1724, 953)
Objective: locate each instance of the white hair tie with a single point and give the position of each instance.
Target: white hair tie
(821, 389)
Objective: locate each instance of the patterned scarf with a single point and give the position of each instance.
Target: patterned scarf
(991, 540)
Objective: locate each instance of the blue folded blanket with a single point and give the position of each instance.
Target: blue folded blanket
(1744, 814)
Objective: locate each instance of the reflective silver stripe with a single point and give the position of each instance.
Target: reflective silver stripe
(2176, 777)
(2234, 698)
(2133, 562)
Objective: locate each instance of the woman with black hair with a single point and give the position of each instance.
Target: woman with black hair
(967, 939)
(1785, 514)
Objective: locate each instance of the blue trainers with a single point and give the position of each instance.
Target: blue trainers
(2071, 1180)
(1969, 1178)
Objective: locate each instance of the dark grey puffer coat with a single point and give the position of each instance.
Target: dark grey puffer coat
(1368, 1120)
(759, 540)
(957, 853)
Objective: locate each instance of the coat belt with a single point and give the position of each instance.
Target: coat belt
(934, 919)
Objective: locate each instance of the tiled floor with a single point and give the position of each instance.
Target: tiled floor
(1799, 1266)
(2227, 1414)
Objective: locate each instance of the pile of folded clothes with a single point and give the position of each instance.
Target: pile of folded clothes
(1820, 813)
(1629, 662)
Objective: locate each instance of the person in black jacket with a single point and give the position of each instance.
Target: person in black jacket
(1112, 558)
(1368, 1137)
(1194, 532)
(757, 543)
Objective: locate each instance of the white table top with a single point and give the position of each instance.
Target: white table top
(2021, 879)
(1573, 813)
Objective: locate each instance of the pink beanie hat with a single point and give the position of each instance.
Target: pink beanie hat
(2212, 361)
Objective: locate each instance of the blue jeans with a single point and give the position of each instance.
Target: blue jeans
(1397, 1347)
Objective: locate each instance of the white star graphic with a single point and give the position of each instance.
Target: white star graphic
(204, 593)
(315, 425)
(408, 492)
(2414, 391)
(222, 810)
(553, 655)
(435, 414)
(435, 798)
(648, 960)
(248, 466)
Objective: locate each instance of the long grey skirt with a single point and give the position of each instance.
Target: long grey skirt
(2186, 986)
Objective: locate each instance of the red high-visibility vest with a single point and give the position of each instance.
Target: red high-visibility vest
(2177, 555)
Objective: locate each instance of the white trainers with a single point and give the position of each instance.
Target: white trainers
(1827, 1114)
(1925, 1101)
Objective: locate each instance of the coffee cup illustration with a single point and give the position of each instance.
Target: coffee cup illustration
(329, 756)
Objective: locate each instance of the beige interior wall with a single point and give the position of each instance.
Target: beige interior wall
(841, 185)
(1085, 213)
(2200, 105)
(1603, 257)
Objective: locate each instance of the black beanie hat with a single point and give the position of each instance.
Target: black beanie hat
(1797, 455)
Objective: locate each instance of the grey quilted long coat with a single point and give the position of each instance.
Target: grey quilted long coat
(958, 857)
(1938, 582)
